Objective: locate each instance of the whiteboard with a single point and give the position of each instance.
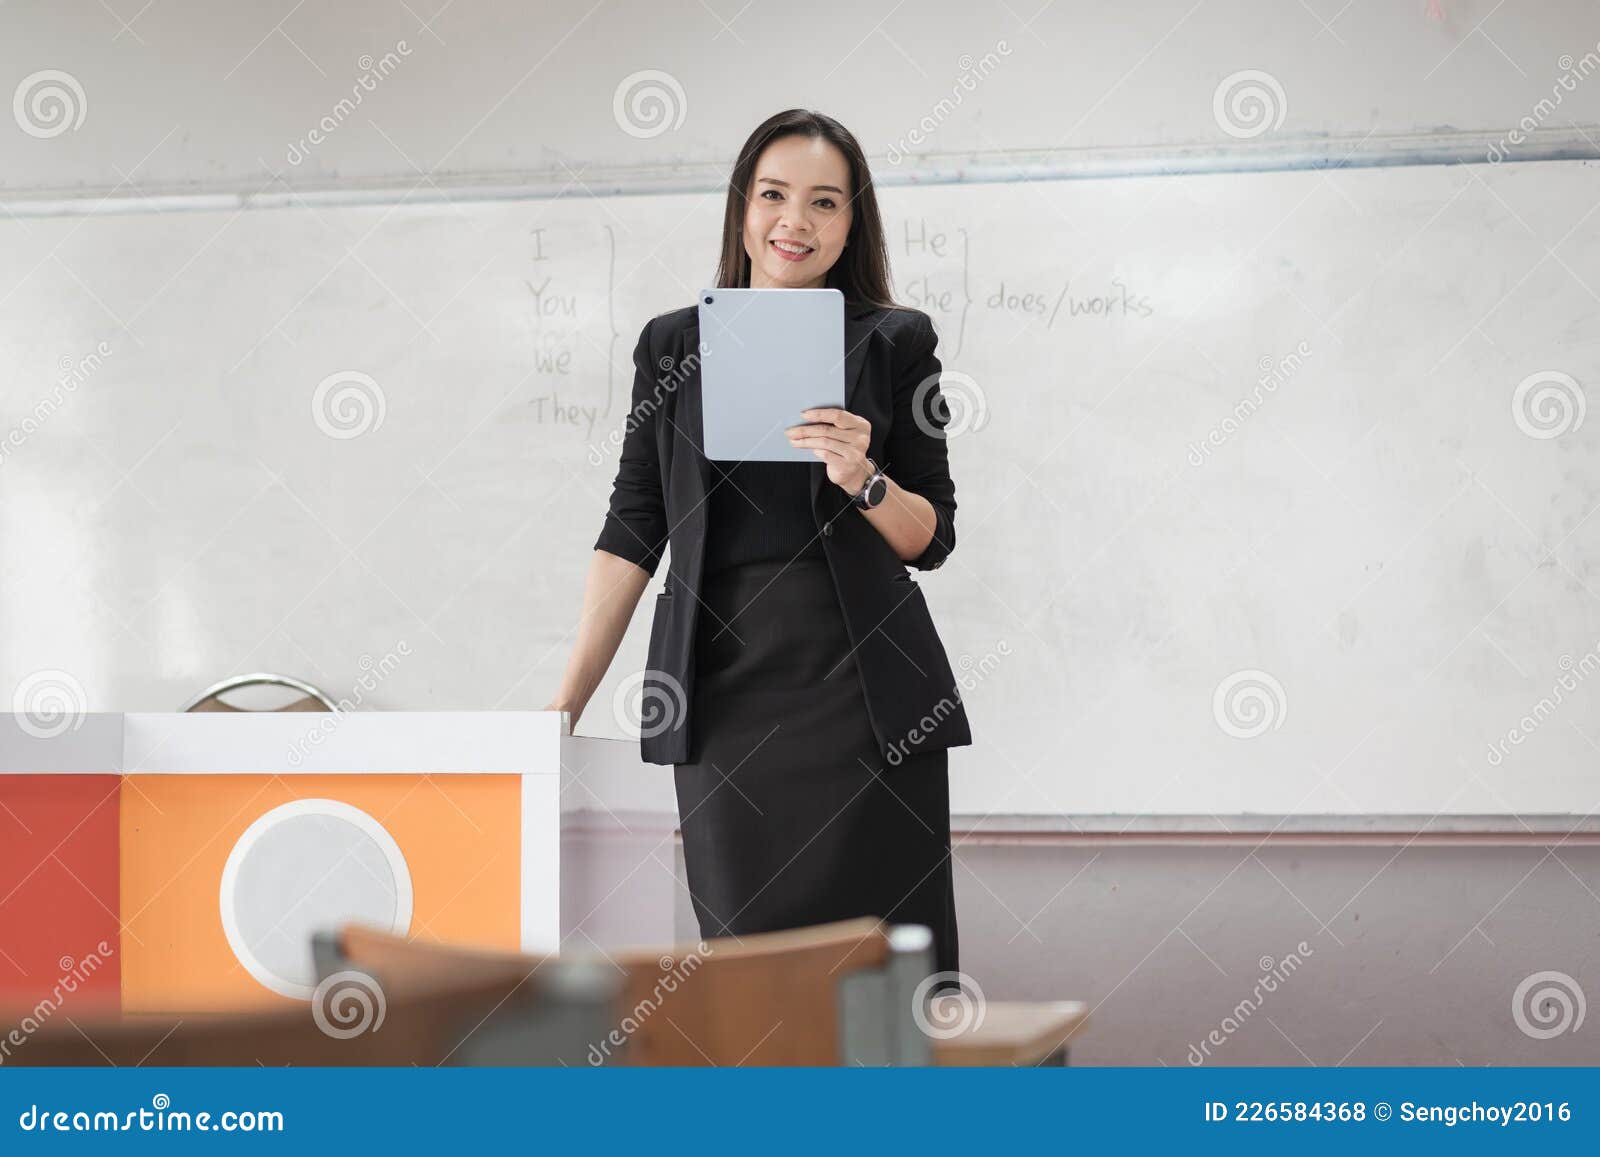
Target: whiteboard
(1274, 488)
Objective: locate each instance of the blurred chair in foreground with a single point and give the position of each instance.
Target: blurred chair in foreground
(834, 994)
(487, 1018)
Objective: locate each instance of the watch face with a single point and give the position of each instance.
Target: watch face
(876, 490)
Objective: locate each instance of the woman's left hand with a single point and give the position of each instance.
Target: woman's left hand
(840, 439)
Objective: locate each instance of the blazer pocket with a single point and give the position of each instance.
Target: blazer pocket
(664, 700)
(660, 622)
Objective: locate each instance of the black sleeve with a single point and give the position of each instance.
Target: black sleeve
(635, 526)
(918, 458)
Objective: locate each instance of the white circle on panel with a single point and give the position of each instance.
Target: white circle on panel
(308, 866)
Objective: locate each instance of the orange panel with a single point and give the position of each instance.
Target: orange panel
(460, 836)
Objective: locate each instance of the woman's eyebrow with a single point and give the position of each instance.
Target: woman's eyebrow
(814, 188)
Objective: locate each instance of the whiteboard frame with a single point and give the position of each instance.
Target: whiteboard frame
(1268, 154)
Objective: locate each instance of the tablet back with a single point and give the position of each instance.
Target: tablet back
(766, 355)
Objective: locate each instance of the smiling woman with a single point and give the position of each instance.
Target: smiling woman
(805, 699)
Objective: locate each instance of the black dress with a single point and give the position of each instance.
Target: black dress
(789, 811)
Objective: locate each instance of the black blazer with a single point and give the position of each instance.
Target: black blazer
(659, 496)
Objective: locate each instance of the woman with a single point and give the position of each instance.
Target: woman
(796, 682)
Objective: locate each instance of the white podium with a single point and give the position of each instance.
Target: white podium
(192, 855)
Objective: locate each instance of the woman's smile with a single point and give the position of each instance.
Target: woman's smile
(791, 250)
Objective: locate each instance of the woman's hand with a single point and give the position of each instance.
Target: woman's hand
(840, 439)
(572, 712)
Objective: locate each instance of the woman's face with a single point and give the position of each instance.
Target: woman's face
(800, 194)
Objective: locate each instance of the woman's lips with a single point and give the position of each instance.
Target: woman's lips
(786, 255)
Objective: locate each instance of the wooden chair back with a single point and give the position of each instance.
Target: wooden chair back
(824, 995)
(462, 1020)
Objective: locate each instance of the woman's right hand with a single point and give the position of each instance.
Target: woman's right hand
(572, 713)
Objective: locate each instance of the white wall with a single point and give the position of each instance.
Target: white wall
(190, 94)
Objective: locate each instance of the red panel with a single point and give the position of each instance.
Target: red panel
(60, 939)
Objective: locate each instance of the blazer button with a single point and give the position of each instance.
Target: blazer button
(827, 528)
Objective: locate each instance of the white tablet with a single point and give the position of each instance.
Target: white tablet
(766, 355)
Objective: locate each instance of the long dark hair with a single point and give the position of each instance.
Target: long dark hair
(862, 271)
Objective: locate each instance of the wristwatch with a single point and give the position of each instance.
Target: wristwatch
(873, 491)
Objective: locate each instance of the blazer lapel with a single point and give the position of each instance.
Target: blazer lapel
(689, 435)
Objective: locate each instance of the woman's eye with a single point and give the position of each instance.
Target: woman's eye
(823, 202)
